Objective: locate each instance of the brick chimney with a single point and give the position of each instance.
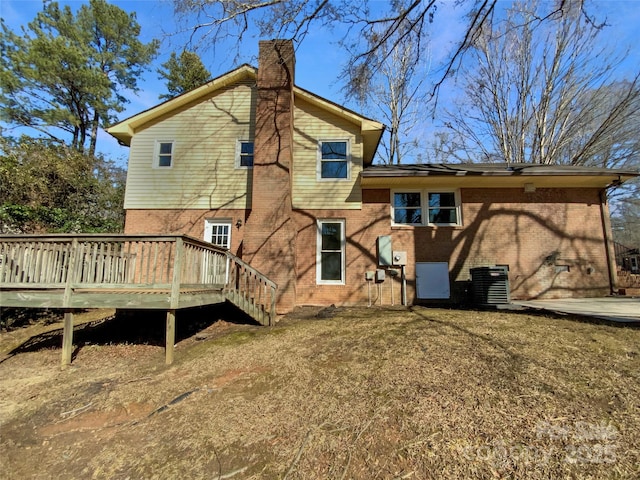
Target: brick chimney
(269, 242)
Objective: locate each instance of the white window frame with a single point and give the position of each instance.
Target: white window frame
(319, 176)
(209, 225)
(156, 153)
(239, 153)
(319, 251)
(457, 207)
(393, 207)
(424, 205)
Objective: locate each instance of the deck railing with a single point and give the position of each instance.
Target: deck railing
(628, 279)
(251, 291)
(133, 263)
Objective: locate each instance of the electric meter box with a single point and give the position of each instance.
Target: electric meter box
(399, 258)
(379, 276)
(384, 250)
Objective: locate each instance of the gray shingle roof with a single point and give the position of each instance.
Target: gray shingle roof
(489, 169)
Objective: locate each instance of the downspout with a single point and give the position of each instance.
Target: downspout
(608, 240)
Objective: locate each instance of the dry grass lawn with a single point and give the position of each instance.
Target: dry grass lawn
(364, 394)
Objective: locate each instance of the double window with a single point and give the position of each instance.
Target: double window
(333, 159)
(424, 207)
(164, 153)
(330, 257)
(244, 154)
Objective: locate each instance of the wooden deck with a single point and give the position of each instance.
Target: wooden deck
(167, 272)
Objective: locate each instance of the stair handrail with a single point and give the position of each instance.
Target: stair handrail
(251, 291)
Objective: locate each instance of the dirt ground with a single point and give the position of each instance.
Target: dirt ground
(359, 393)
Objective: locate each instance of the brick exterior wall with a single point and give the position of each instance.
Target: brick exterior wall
(183, 221)
(537, 234)
(534, 233)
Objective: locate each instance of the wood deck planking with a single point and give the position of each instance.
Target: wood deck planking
(102, 298)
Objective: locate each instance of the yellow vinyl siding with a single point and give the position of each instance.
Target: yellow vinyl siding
(313, 124)
(203, 173)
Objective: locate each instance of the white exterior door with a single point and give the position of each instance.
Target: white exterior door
(218, 232)
(216, 268)
(432, 280)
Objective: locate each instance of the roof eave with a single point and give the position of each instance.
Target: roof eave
(371, 130)
(378, 179)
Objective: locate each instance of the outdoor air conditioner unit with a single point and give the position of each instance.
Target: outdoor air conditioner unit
(490, 285)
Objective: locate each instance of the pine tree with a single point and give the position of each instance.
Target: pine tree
(183, 73)
(65, 72)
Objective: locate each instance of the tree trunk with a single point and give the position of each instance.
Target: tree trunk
(94, 133)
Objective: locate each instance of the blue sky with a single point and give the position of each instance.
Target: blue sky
(318, 60)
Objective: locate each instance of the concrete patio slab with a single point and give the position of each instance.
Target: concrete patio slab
(615, 309)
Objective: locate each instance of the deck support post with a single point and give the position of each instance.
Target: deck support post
(67, 339)
(171, 336)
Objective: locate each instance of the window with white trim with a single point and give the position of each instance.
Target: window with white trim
(330, 258)
(244, 154)
(407, 208)
(444, 209)
(164, 153)
(426, 207)
(333, 159)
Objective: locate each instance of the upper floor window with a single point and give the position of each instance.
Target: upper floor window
(244, 154)
(164, 154)
(441, 208)
(334, 159)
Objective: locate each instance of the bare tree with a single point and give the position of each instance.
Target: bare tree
(544, 93)
(397, 95)
(357, 23)
(369, 30)
(384, 42)
(626, 223)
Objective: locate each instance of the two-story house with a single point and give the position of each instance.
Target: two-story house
(284, 179)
